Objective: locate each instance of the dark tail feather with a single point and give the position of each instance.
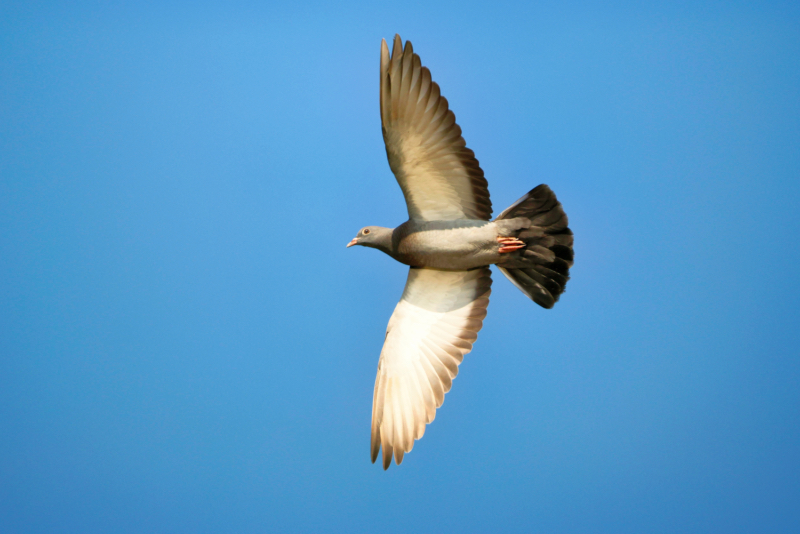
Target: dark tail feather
(541, 269)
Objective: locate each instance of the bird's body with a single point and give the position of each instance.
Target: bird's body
(457, 245)
(448, 241)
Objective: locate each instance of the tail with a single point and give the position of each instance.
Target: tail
(541, 269)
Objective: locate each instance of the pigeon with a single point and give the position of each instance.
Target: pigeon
(448, 242)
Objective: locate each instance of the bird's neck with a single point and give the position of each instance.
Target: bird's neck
(382, 240)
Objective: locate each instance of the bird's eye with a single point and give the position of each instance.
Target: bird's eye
(365, 231)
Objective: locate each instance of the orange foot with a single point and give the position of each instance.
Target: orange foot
(509, 244)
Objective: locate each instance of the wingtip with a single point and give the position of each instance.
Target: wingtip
(375, 448)
(384, 55)
(387, 456)
(397, 48)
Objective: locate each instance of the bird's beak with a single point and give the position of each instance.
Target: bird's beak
(353, 242)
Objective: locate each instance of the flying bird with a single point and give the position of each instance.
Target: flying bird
(448, 242)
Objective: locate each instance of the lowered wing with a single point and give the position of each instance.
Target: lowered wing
(433, 326)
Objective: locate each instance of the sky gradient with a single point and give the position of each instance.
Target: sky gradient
(187, 346)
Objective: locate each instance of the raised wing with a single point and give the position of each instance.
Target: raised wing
(433, 326)
(439, 175)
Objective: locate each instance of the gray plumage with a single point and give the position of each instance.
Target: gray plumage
(448, 242)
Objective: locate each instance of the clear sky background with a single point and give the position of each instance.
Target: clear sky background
(187, 346)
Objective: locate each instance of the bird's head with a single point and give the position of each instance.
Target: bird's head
(374, 237)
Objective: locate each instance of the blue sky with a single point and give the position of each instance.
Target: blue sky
(187, 346)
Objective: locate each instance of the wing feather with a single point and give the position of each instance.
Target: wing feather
(433, 326)
(439, 175)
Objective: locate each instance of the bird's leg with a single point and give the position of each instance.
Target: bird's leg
(509, 244)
